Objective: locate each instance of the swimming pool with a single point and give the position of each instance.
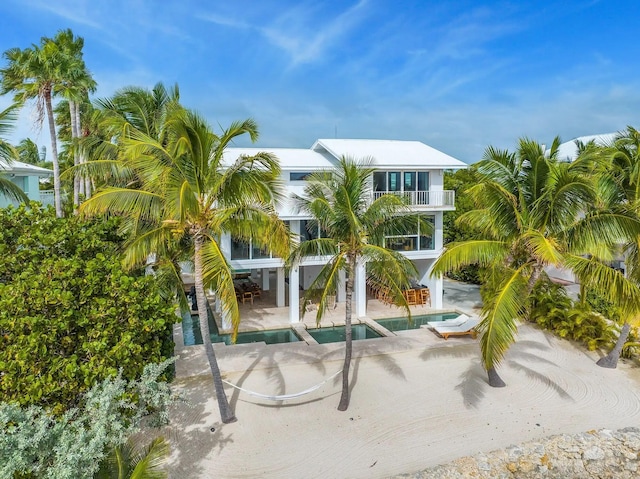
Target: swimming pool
(337, 333)
(191, 333)
(403, 324)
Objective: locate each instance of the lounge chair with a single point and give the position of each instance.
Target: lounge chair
(449, 322)
(464, 329)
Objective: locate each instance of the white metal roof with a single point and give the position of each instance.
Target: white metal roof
(324, 154)
(568, 151)
(289, 158)
(19, 167)
(390, 153)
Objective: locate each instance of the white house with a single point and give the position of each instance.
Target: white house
(408, 168)
(27, 177)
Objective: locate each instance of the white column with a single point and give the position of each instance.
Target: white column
(342, 292)
(360, 289)
(436, 287)
(438, 231)
(225, 320)
(294, 294)
(280, 285)
(265, 279)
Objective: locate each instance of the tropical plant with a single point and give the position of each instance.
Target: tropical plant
(528, 208)
(129, 461)
(354, 229)
(70, 315)
(619, 175)
(7, 154)
(35, 443)
(184, 195)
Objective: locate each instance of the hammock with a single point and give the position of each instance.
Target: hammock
(282, 397)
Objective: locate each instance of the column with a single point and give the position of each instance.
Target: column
(360, 289)
(265, 279)
(294, 294)
(342, 292)
(280, 285)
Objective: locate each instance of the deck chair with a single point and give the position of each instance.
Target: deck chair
(463, 318)
(464, 329)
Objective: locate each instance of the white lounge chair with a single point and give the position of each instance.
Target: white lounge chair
(449, 322)
(466, 328)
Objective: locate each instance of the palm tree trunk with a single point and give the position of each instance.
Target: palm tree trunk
(611, 359)
(54, 153)
(348, 345)
(76, 159)
(495, 381)
(226, 414)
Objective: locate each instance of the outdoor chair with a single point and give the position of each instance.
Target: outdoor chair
(463, 318)
(425, 295)
(465, 329)
(247, 296)
(412, 298)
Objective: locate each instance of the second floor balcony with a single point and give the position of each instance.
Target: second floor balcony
(444, 200)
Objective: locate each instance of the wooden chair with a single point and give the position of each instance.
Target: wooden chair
(257, 293)
(247, 296)
(411, 296)
(425, 295)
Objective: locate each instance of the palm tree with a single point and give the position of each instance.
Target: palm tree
(129, 462)
(528, 208)
(75, 85)
(619, 175)
(185, 194)
(33, 73)
(354, 229)
(7, 154)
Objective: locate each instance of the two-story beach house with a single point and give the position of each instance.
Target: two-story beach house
(408, 168)
(27, 177)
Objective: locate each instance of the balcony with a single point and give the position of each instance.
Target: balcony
(424, 200)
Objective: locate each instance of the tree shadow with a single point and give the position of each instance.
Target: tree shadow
(541, 378)
(473, 385)
(193, 432)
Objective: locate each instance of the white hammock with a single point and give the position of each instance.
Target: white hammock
(282, 397)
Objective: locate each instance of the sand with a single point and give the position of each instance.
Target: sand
(417, 401)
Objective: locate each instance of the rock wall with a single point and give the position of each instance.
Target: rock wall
(594, 454)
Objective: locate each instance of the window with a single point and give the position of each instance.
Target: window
(380, 181)
(419, 237)
(401, 181)
(299, 175)
(394, 181)
(242, 250)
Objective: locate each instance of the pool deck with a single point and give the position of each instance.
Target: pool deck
(263, 315)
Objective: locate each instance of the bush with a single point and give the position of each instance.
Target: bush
(70, 315)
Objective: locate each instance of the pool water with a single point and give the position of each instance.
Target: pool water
(191, 333)
(337, 333)
(403, 324)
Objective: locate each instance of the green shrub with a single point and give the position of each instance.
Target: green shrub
(70, 315)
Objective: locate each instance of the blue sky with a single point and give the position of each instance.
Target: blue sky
(458, 76)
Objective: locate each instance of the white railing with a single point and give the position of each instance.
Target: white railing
(424, 199)
(46, 197)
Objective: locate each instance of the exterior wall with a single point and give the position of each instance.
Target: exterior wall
(29, 184)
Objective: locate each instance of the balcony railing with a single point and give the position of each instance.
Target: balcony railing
(46, 197)
(423, 199)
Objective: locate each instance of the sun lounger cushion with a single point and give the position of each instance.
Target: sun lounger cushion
(465, 328)
(463, 318)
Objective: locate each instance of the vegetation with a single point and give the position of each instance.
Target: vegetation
(182, 197)
(70, 315)
(40, 72)
(7, 154)
(527, 215)
(460, 181)
(354, 231)
(83, 441)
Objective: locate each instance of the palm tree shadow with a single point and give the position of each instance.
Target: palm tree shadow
(472, 385)
(541, 378)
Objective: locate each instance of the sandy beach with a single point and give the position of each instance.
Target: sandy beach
(417, 401)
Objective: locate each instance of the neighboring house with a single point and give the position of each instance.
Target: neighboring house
(27, 177)
(408, 168)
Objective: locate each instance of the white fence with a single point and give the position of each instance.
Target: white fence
(425, 199)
